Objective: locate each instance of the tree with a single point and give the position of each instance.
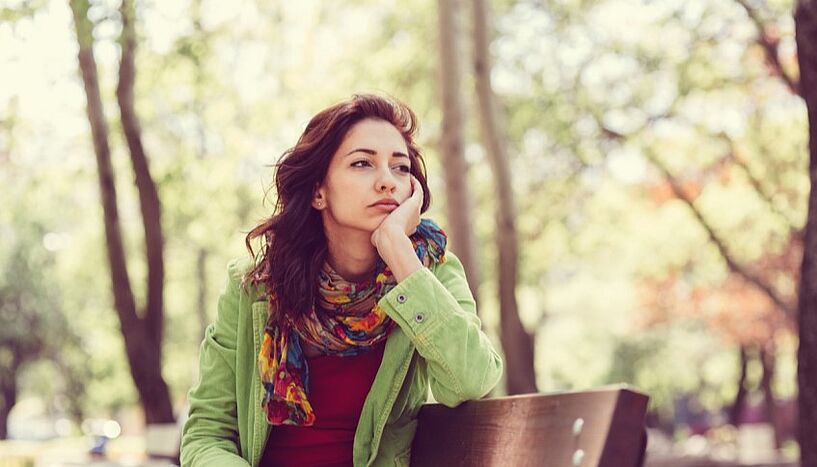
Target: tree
(34, 326)
(26, 309)
(142, 334)
(452, 141)
(761, 277)
(805, 19)
(516, 341)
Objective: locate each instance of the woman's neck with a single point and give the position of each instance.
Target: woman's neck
(352, 256)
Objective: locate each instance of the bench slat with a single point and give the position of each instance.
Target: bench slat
(535, 430)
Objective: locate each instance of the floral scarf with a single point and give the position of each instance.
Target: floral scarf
(347, 321)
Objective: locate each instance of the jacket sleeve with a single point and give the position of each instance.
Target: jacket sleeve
(437, 311)
(210, 435)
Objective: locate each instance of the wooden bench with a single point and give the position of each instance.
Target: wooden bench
(601, 427)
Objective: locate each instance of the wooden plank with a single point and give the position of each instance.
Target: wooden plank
(602, 427)
(627, 436)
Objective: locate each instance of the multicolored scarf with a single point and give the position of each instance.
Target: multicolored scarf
(346, 321)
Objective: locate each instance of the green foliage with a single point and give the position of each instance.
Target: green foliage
(35, 326)
(22, 10)
(694, 363)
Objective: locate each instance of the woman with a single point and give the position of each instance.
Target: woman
(327, 341)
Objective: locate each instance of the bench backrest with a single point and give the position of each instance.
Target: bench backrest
(602, 427)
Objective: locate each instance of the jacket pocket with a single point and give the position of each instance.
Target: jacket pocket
(403, 459)
(397, 441)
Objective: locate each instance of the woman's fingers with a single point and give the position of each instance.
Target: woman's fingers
(418, 189)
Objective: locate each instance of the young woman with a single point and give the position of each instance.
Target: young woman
(328, 340)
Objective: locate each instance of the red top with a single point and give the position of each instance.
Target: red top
(338, 386)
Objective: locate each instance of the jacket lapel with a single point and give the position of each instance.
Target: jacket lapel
(381, 398)
(260, 425)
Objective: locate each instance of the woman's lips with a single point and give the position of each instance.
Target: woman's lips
(385, 207)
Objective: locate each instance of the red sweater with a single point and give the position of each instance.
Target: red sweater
(338, 386)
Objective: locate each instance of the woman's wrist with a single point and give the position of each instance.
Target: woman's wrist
(397, 251)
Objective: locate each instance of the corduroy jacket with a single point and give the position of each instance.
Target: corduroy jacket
(438, 344)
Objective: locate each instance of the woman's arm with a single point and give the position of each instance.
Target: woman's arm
(437, 311)
(210, 436)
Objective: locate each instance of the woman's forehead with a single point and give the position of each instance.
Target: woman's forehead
(374, 132)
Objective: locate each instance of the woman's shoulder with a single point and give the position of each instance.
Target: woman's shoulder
(239, 266)
(237, 269)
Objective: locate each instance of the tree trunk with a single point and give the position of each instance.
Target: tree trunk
(452, 152)
(75, 386)
(148, 196)
(767, 357)
(805, 21)
(516, 342)
(142, 336)
(152, 386)
(8, 392)
(737, 407)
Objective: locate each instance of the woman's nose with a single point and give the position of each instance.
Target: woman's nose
(386, 181)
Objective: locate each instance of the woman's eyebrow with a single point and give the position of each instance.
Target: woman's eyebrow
(374, 153)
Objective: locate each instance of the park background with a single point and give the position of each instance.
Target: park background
(627, 183)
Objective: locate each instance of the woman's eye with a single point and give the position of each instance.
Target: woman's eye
(404, 168)
(355, 164)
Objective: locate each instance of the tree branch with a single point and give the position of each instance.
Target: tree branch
(769, 46)
(148, 195)
(124, 301)
(718, 242)
(758, 186)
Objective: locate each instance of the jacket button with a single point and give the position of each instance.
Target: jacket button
(282, 375)
(401, 298)
(419, 317)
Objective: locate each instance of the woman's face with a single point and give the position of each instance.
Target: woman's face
(370, 165)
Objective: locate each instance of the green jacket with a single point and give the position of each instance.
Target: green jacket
(438, 343)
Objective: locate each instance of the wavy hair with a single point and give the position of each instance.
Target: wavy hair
(295, 246)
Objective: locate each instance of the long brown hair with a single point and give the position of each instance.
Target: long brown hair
(290, 259)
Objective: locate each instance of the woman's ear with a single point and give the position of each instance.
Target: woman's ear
(318, 199)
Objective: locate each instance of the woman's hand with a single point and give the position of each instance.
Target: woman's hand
(391, 236)
(405, 218)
